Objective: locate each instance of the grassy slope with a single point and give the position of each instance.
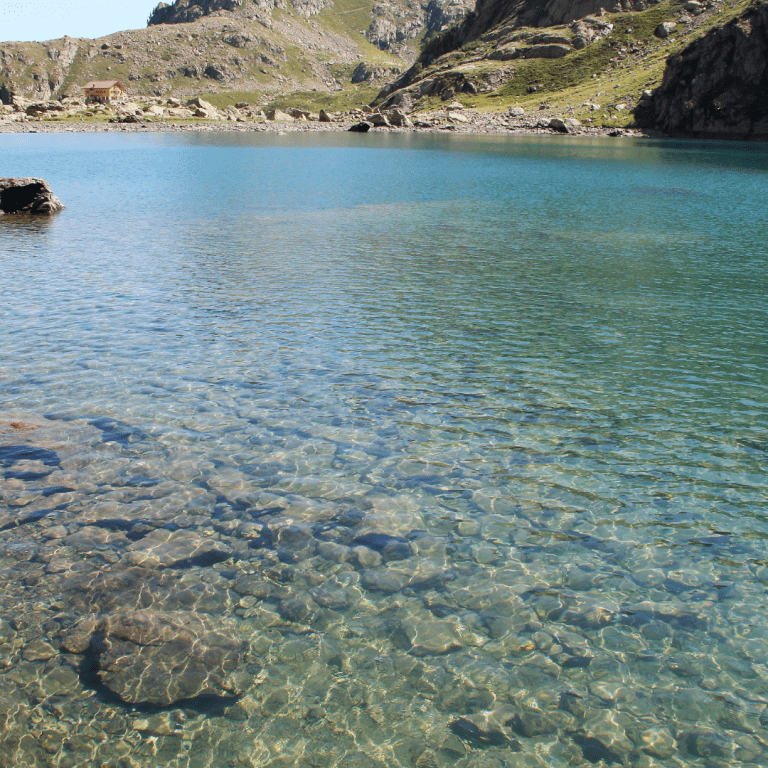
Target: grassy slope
(305, 70)
(599, 73)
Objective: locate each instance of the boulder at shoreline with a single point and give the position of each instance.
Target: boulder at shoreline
(27, 195)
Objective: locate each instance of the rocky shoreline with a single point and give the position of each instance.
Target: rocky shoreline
(197, 114)
(433, 122)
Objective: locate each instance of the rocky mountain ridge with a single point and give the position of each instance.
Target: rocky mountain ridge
(596, 61)
(717, 87)
(246, 48)
(393, 26)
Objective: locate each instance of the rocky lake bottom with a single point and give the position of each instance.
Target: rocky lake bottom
(395, 455)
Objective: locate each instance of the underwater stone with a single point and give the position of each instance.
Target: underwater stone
(300, 609)
(705, 743)
(390, 547)
(605, 691)
(748, 749)
(38, 650)
(529, 723)
(160, 658)
(606, 727)
(255, 586)
(485, 554)
(385, 580)
(481, 731)
(163, 548)
(60, 681)
(588, 615)
(334, 599)
(658, 742)
(89, 538)
(334, 552)
(468, 528)
(121, 589)
(367, 558)
(431, 638)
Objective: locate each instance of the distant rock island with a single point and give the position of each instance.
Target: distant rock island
(681, 67)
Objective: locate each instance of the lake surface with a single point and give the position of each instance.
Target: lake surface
(339, 450)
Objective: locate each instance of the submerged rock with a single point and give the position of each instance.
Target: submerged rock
(163, 548)
(431, 638)
(481, 731)
(27, 195)
(147, 657)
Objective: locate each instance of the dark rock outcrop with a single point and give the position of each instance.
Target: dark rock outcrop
(363, 73)
(718, 86)
(6, 94)
(27, 195)
(441, 15)
(184, 11)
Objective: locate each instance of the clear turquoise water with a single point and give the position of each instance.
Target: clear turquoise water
(538, 364)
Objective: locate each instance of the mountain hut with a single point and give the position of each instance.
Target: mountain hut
(104, 92)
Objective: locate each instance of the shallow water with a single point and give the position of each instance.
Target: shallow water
(384, 450)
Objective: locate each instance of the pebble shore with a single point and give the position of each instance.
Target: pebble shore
(476, 123)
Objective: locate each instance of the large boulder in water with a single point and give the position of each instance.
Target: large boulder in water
(27, 195)
(718, 85)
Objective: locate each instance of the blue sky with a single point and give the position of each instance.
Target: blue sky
(48, 19)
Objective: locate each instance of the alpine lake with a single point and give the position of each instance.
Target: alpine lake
(354, 451)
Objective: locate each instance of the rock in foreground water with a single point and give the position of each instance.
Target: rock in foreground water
(27, 195)
(160, 658)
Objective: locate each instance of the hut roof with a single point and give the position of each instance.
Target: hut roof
(103, 84)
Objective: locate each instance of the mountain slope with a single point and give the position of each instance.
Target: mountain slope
(592, 60)
(237, 49)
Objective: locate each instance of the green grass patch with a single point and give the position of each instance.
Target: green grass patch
(221, 99)
(347, 17)
(337, 101)
(351, 18)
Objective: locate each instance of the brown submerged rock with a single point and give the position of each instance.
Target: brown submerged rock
(147, 657)
(162, 549)
(27, 195)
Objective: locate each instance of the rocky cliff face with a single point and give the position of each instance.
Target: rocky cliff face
(718, 85)
(186, 11)
(392, 27)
